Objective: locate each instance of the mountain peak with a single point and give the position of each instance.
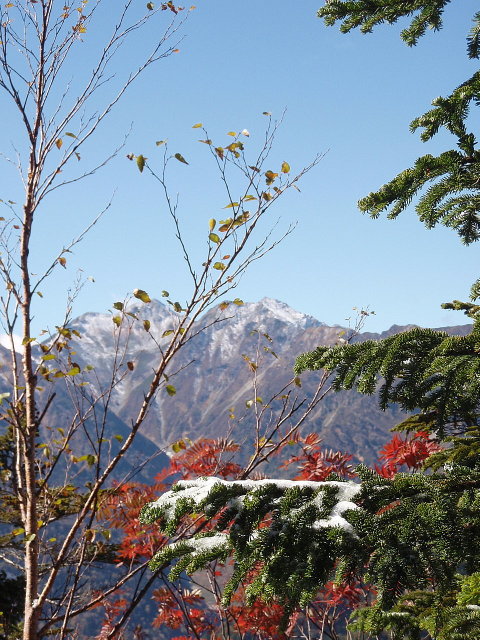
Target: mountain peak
(282, 311)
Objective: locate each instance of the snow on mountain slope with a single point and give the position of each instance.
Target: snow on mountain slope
(212, 373)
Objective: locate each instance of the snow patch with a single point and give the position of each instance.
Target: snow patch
(6, 342)
(210, 542)
(198, 490)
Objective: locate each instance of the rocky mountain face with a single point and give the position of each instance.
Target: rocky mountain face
(214, 377)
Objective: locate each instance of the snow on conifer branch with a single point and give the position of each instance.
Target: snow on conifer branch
(285, 527)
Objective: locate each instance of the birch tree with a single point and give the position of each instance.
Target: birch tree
(39, 41)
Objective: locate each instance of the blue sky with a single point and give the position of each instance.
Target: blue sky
(348, 96)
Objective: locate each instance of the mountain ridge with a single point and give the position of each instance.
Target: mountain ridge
(213, 374)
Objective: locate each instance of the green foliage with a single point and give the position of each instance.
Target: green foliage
(289, 538)
(291, 534)
(417, 369)
(366, 14)
(447, 185)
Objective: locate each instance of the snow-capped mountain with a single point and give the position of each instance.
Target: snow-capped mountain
(214, 377)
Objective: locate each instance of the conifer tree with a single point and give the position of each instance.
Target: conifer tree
(415, 536)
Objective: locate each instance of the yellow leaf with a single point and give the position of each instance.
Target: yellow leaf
(74, 371)
(232, 204)
(285, 167)
(270, 176)
(59, 143)
(141, 162)
(199, 125)
(178, 446)
(142, 295)
(212, 223)
(231, 133)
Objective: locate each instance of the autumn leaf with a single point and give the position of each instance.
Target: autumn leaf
(141, 162)
(180, 158)
(142, 295)
(178, 446)
(270, 176)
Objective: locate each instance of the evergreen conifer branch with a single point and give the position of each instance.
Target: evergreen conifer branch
(420, 369)
(446, 186)
(367, 14)
(291, 533)
(288, 538)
